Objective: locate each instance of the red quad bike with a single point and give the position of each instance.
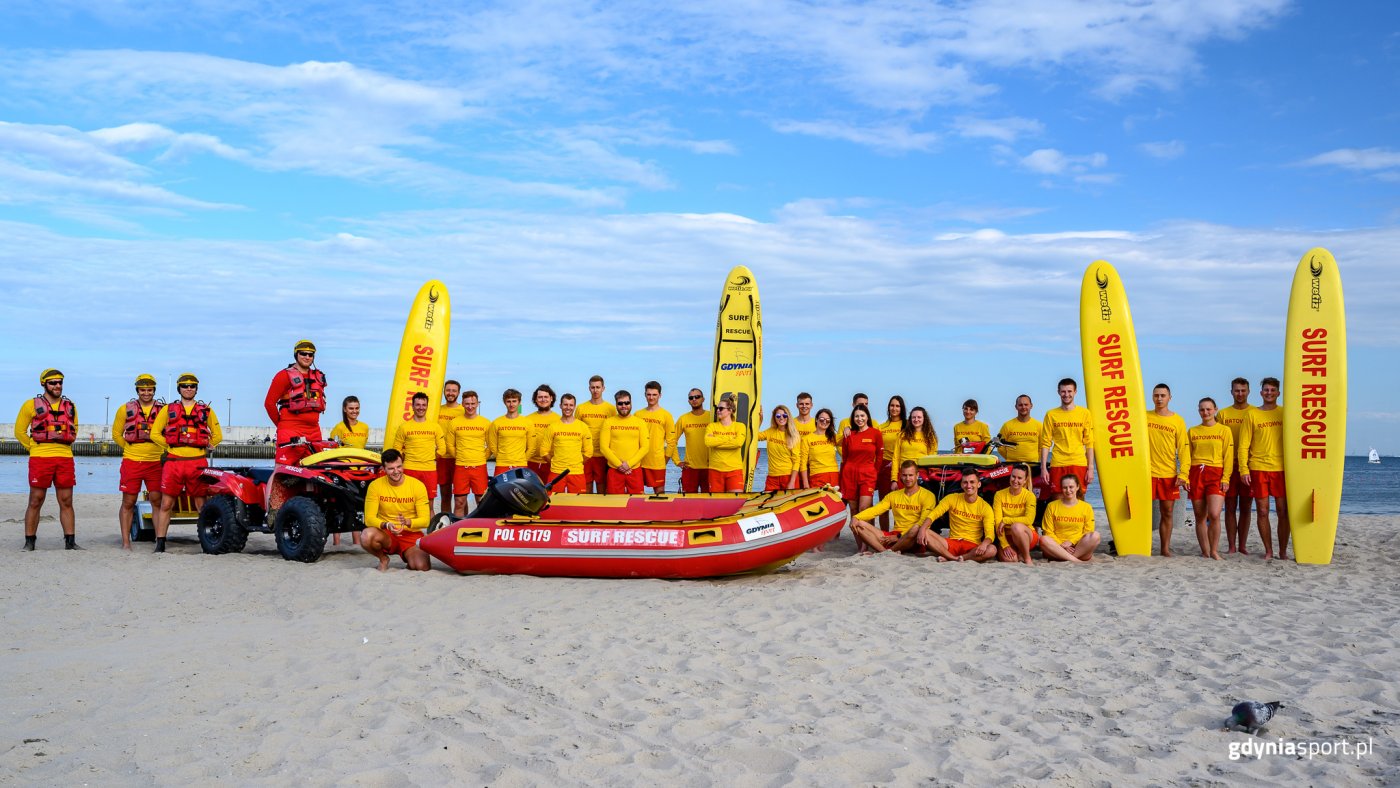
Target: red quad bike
(318, 491)
(941, 474)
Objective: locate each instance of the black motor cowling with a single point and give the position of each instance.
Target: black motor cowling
(518, 492)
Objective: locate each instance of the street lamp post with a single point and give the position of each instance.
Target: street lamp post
(107, 416)
(230, 411)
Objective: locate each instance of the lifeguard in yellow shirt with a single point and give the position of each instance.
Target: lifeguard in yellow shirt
(540, 421)
(131, 431)
(1066, 441)
(917, 437)
(1013, 512)
(1170, 455)
(885, 480)
(1260, 455)
(1239, 499)
(909, 507)
(186, 429)
(690, 428)
(626, 440)
(593, 413)
(446, 465)
(818, 459)
(421, 442)
(1068, 525)
(468, 435)
(1020, 437)
(397, 513)
(47, 426)
(568, 443)
(971, 524)
(784, 450)
(970, 430)
(805, 423)
(1212, 459)
(511, 439)
(350, 431)
(724, 439)
(654, 464)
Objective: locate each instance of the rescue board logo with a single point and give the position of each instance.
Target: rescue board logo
(740, 283)
(760, 526)
(727, 367)
(1315, 267)
(1105, 311)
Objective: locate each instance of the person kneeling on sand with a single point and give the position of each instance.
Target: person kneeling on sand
(396, 515)
(1069, 525)
(910, 505)
(969, 519)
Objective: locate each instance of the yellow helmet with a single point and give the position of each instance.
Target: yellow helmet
(49, 374)
(145, 380)
(304, 344)
(187, 377)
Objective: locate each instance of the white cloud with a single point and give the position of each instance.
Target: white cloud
(1049, 161)
(1357, 159)
(1000, 129)
(884, 139)
(1171, 149)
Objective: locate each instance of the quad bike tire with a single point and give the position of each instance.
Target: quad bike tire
(223, 525)
(300, 529)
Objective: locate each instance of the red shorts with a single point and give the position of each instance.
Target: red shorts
(1205, 480)
(400, 542)
(1059, 472)
(959, 547)
(620, 483)
(447, 473)
(1035, 537)
(1165, 489)
(654, 478)
(469, 480)
(595, 471)
(428, 478)
(183, 475)
(858, 480)
(726, 481)
(1266, 484)
(500, 469)
(573, 483)
(541, 469)
(832, 479)
(1237, 488)
(778, 482)
(135, 472)
(694, 480)
(884, 483)
(56, 471)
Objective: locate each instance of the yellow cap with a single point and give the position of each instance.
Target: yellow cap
(305, 344)
(145, 380)
(50, 374)
(187, 377)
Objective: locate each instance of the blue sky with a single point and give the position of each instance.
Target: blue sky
(917, 187)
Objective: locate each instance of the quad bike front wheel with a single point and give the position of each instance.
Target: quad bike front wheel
(300, 529)
(223, 525)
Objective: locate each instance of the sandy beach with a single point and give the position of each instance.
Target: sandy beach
(140, 669)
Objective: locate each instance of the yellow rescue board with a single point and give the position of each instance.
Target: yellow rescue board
(1114, 393)
(422, 364)
(1314, 404)
(738, 368)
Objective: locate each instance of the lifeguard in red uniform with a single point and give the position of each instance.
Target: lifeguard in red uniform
(297, 397)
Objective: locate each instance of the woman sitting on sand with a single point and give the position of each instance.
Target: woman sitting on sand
(1068, 525)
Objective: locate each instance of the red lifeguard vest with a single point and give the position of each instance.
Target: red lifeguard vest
(138, 425)
(54, 424)
(188, 429)
(307, 393)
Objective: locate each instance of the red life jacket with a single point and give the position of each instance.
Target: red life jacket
(306, 394)
(187, 429)
(54, 425)
(138, 425)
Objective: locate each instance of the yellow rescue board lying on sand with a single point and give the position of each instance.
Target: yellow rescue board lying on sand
(422, 364)
(1113, 391)
(738, 368)
(1314, 402)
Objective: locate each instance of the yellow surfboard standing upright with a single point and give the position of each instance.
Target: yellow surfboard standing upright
(1314, 401)
(422, 364)
(738, 369)
(1115, 396)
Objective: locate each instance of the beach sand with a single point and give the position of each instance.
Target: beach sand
(140, 669)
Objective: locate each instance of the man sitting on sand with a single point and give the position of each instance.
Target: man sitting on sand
(910, 505)
(971, 525)
(396, 515)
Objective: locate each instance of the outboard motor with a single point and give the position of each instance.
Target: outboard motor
(518, 492)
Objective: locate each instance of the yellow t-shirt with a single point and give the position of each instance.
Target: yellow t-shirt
(691, 428)
(539, 424)
(911, 449)
(625, 439)
(1214, 447)
(1067, 523)
(1026, 436)
(510, 441)
(355, 437)
(446, 413)
(1261, 440)
(594, 416)
(145, 451)
(968, 521)
(805, 428)
(468, 439)
(421, 442)
(48, 448)
(661, 425)
(976, 432)
(567, 445)
(726, 445)
(384, 502)
(907, 510)
(216, 435)
(1008, 508)
(1233, 418)
(1067, 434)
(1168, 448)
(818, 454)
(782, 459)
(889, 431)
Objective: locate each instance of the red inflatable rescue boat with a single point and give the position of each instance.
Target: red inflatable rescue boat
(659, 536)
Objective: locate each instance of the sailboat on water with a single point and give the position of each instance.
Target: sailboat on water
(1374, 458)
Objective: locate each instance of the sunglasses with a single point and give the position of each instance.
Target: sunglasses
(628, 402)
(723, 407)
(188, 386)
(696, 396)
(780, 416)
(823, 420)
